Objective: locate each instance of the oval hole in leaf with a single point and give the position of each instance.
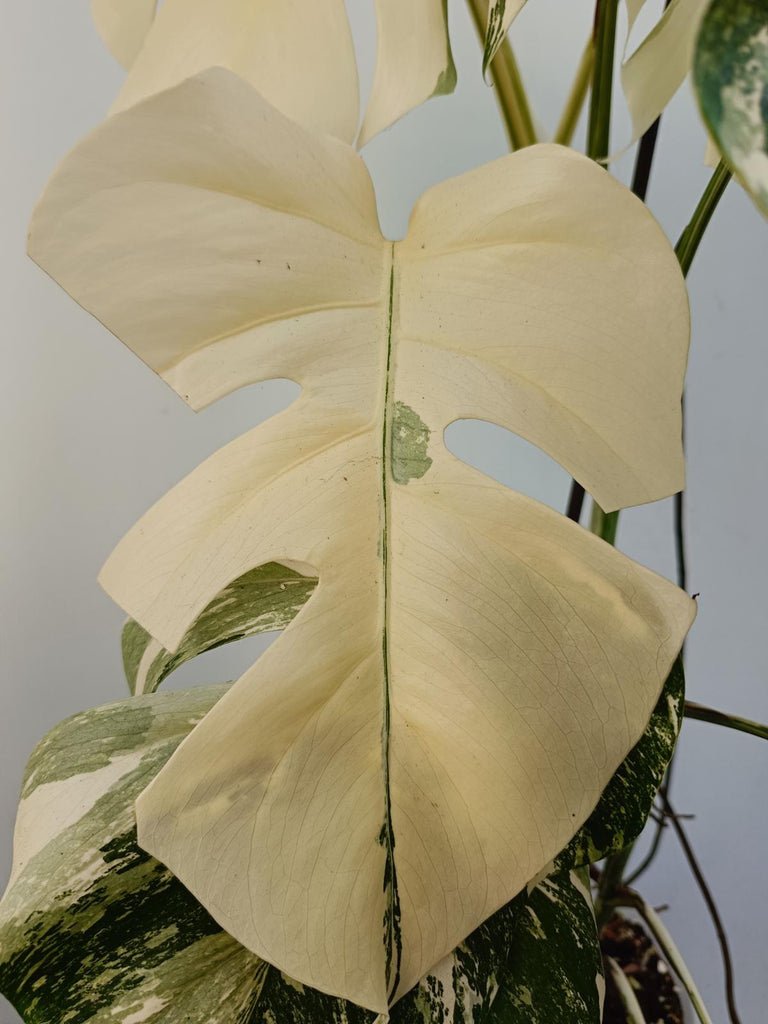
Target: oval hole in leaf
(244, 408)
(510, 459)
(222, 664)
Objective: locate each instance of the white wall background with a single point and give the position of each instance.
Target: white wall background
(89, 438)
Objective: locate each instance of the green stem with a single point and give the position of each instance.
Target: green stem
(625, 992)
(609, 884)
(510, 91)
(633, 901)
(576, 97)
(599, 130)
(604, 524)
(689, 241)
(705, 714)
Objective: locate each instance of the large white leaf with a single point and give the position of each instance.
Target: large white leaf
(443, 714)
(298, 54)
(123, 25)
(413, 60)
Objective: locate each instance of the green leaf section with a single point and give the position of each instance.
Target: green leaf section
(93, 929)
(730, 76)
(262, 600)
(555, 972)
(626, 802)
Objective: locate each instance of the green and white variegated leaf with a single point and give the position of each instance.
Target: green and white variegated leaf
(93, 929)
(555, 972)
(123, 26)
(654, 72)
(501, 14)
(413, 61)
(731, 81)
(262, 600)
(626, 802)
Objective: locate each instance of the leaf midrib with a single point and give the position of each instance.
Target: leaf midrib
(391, 922)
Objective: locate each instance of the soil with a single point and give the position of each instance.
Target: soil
(650, 977)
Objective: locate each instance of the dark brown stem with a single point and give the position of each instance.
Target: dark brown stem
(722, 938)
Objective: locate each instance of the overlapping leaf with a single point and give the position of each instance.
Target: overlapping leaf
(265, 599)
(282, 47)
(413, 60)
(443, 714)
(123, 25)
(94, 930)
(731, 80)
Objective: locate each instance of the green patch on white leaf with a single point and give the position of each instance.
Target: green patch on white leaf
(410, 439)
(730, 73)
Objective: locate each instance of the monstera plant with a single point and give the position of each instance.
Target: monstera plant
(393, 813)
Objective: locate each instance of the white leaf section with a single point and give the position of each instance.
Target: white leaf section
(123, 26)
(444, 712)
(413, 61)
(658, 67)
(281, 47)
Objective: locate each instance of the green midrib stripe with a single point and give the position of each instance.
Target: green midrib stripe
(392, 913)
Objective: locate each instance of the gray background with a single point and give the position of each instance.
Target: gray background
(90, 438)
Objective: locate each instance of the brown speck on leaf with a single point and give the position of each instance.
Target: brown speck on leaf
(288, 265)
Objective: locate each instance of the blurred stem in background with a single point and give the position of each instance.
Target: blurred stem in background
(510, 91)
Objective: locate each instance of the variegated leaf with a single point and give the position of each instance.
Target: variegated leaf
(268, 598)
(265, 599)
(501, 14)
(626, 802)
(731, 80)
(413, 61)
(92, 929)
(555, 972)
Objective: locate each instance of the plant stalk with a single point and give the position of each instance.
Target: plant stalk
(602, 48)
(510, 91)
(632, 1009)
(690, 239)
(722, 938)
(705, 714)
(609, 884)
(599, 129)
(576, 97)
(633, 901)
(604, 524)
